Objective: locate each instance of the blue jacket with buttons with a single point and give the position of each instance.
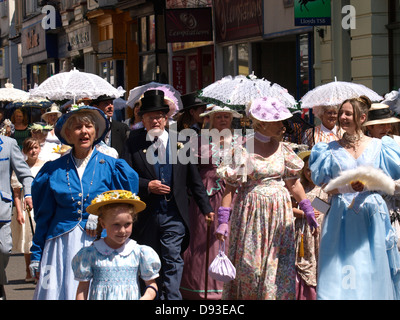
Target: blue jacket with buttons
(60, 203)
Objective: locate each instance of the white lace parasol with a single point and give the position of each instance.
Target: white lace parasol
(170, 93)
(237, 92)
(334, 93)
(392, 99)
(9, 93)
(75, 85)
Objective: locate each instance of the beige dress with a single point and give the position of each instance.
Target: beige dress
(22, 234)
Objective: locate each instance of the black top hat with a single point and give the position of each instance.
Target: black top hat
(101, 98)
(153, 100)
(190, 100)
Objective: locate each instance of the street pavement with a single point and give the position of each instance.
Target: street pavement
(17, 288)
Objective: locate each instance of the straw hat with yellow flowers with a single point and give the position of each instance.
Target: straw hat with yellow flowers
(115, 196)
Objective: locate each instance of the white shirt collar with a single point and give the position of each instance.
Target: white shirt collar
(325, 129)
(163, 137)
(124, 250)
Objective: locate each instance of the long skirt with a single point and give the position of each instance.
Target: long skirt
(194, 269)
(56, 281)
(261, 244)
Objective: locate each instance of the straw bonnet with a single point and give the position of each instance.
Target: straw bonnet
(268, 109)
(380, 113)
(113, 197)
(53, 109)
(100, 119)
(304, 154)
(212, 108)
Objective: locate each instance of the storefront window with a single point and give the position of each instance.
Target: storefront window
(107, 71)
(243, 59)
(236, 59)
(394, 43)
(148, 69)
(229, 60)
(147, 48)
(143, 34)
(152, 33)
(303, 64)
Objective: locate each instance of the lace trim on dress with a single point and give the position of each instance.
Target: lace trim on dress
(124, 250)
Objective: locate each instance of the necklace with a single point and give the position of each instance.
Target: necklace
(352, 141)
(260, 137)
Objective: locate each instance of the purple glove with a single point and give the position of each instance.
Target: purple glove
(306, 207)
(223, 219)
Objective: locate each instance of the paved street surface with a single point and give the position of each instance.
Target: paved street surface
(17, 288)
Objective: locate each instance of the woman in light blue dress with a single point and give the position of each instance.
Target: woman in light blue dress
(358, 256)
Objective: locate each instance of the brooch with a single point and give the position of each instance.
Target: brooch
(102, 161)
(179, 145)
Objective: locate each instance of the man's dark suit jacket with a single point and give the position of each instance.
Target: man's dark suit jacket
(184, 177)
(119, 132)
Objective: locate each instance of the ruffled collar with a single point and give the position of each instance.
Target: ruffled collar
(124, 250)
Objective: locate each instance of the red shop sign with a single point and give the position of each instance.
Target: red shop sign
(179, 73)
(238, 19)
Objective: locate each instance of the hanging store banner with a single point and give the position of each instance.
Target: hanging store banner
(312, 12)
(188, 25)
(179, 73)
(238, 19)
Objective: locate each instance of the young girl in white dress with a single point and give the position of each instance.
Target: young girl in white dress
(110, 268)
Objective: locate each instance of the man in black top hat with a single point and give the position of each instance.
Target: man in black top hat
(189, 115)
(119, 131)
(163, 185)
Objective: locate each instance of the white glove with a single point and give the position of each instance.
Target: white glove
(346, 189)
(91, 223)
(34, 268)
(397, 187)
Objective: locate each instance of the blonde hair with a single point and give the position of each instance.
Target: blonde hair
(106, 209)
(211, 122)
(81, 117)
(258, 124)
(319, 111)
(360, 106)
(25, 119)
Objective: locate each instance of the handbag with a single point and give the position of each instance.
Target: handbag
(222, 269)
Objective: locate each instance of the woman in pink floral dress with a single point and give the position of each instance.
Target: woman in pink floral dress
(261, 245)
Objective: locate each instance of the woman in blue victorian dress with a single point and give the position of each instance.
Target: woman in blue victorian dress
(62, 190)
(358, 257)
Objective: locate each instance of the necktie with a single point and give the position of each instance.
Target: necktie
(156, 145)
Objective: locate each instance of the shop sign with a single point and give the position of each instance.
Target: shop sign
(179, 73)
(79, 38)
(312, 12)
(188, 25)
(238, 19)
(33, 39)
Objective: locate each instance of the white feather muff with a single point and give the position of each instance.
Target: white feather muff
(374, 179)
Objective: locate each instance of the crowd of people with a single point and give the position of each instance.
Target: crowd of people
(101, 211)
